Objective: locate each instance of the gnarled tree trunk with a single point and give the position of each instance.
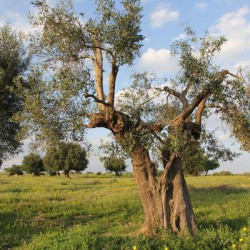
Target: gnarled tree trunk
(148, 189)
(178, 209)
(166, 201)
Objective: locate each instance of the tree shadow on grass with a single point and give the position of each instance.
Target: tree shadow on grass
(219, 196)
(235, 224)
(13, 229)
(16, 228)
(224, 189)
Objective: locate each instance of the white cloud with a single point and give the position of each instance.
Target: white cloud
(201, 6)
(180, 36)
(235, 26)
(162, 16)
(159, 61)
(16, 21)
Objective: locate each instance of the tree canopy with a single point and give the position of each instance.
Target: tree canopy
(32, 164)
(196, 162)
(66, 157)
(69, 49)
(114, 164)
(13, 63)
(16, 169)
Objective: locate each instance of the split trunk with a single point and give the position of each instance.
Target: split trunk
(166, 201)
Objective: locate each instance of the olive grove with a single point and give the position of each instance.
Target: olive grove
(69, 95)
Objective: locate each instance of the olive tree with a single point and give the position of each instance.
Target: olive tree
(66, 157)
(15, 169)
(196, 161)
(32, 164)
(209, 164)
(68, 95)
(51, 161)
(114, 164)
(198, 164)
(13, 64)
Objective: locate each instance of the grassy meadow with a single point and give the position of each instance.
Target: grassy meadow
(104, 212)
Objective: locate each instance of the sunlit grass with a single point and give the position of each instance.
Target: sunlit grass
(104, 212)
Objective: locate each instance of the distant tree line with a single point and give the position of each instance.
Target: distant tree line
(63, 157)
(70, 156)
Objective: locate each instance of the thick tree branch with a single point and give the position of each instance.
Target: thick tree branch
(98, 67)
(178, 95)
(169, 162)
(187, 111)
(96, 99)
(112, 81)
(97, 120)
(200, 110)
(152, 127)
(202, 95)
(237, 76)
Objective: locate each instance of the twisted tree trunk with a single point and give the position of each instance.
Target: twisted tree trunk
(178, 208)
(149, 191)
(166, 201)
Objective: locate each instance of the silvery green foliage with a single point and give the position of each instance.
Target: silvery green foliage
(13, 63)
(65, 156)
(148, 101)
(64, 81)
(62, 75)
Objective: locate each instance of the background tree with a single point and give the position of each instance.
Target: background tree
(51, 161)
(67, 96)
(32, 164)
(66, 157)
(114, 164)
(13, 63)
(199, 164)
(210, 165)
(16, 169)
(195, 161)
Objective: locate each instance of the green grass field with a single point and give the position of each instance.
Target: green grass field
(104, 212)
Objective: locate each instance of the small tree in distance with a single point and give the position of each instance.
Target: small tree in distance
(201, 165)
(195, 161)
(51, 161)
(15, 169)
(66, 157)
(210, 165)
(114, 164)
(32, 164)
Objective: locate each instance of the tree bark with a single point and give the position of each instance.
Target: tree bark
(149, 191)
(178, 210)
(166, 201)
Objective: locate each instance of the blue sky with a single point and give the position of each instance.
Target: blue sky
(163, 22)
